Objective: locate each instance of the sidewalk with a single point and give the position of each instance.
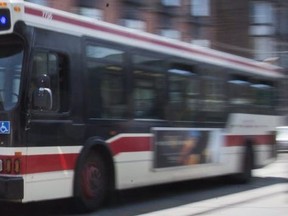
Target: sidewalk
(266, 201)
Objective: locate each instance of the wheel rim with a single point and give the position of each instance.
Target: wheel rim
(92, 181)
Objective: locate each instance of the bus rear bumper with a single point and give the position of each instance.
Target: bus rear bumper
(11, 188)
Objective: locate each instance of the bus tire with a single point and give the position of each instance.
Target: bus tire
(91, 185)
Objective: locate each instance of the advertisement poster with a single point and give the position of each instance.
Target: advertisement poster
(184, 147)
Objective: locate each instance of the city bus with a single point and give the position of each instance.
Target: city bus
(88, 108)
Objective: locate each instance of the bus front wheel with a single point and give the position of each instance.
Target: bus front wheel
(91, 182)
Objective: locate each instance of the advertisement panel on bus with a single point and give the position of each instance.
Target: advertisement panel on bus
(186, 146)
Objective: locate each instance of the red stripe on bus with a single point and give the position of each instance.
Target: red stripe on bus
(94, 26)
(60, 162)
(130, 144)
(238, 140)
(50, 163)
(30, 164)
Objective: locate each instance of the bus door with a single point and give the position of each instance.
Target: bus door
(49, 124)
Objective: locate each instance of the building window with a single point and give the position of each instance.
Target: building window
(171, 2)
(264, 48)
(89, 8)
(261, 30)
(262, 12)
(202, 42)
(200, 7)
(171, 33)
(88, 3)
(41, 2)
(134, 24)
(91, 12)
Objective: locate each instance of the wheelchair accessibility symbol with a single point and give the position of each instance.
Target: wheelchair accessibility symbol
(4, 127)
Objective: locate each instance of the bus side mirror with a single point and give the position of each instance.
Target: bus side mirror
(42, 99)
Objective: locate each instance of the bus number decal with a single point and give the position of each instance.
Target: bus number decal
(47, 15)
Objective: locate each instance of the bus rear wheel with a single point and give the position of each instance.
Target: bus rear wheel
(245, 176)
(92, 183)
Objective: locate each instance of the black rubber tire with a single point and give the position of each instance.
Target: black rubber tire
(91, 185)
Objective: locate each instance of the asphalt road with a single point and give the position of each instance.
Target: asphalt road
(266, 195)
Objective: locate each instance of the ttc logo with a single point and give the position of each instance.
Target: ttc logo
(4, 127)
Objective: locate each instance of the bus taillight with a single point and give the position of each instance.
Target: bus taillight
(10, 166)
(17, 166)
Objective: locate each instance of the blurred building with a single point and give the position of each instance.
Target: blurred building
(250, 28)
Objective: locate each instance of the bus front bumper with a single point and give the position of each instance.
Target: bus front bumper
(11, 188)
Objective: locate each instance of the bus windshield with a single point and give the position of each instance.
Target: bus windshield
(11, 56)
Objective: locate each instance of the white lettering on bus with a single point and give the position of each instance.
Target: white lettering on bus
(47, 15)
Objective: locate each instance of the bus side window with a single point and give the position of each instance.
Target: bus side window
(106, 82)
(263, 95)
(183, 93)
(54, 66)
(214, 99)
(240, 92)
(148, 87)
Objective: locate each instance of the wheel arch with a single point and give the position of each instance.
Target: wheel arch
(249, 149)
(247, 162)
(95, 144)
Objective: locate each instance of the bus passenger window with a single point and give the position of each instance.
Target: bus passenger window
(183, 93)
(149, 87)
(263, 94)
(54, 66)
(240, 91)
(104, 54)
(112, 93)
(214, 97)
(105, 79)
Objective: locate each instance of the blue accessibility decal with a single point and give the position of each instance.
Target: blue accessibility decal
(5, 127)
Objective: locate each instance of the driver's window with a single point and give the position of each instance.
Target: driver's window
(54, 66)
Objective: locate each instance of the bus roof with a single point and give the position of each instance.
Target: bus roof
(61, 21)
